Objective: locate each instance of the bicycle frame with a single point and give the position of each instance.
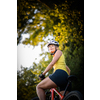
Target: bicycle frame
(52, 94)
(55, 90)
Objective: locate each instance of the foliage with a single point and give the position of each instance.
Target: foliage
(41, 21)
(26, 84)
(75, 60)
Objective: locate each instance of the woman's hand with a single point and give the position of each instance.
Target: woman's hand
(41, 76)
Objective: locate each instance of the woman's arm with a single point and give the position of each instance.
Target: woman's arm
(68, 69)
(55, 59)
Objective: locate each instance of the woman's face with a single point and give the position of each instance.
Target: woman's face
(51, 48)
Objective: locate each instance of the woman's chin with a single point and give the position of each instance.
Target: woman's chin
(52, 51)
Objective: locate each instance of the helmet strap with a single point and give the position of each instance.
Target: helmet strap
(54, 52)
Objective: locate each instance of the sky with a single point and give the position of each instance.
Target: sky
(26, 54)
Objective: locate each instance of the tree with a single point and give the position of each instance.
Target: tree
(40, 20)
(26, 84)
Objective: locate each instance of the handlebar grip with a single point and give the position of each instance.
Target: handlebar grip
(42, 76)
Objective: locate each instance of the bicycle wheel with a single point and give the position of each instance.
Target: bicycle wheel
(73, 95)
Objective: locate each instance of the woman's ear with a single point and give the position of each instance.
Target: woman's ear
(57, 47)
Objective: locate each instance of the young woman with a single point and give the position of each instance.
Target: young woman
(60, 74)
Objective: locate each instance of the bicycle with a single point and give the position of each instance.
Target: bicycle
(72, 95)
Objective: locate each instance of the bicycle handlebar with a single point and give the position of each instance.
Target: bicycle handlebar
(42, 76)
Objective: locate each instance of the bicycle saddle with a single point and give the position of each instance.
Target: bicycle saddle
(71, 78)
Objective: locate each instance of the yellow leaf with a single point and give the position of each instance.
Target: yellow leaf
(32, 71)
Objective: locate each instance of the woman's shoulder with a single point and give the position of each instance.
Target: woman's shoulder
(59, 52)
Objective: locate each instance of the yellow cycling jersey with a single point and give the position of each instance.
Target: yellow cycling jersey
(60, 64)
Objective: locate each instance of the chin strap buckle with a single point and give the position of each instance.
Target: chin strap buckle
(54, 52)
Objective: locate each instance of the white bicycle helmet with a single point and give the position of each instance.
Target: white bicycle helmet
(53, 42)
